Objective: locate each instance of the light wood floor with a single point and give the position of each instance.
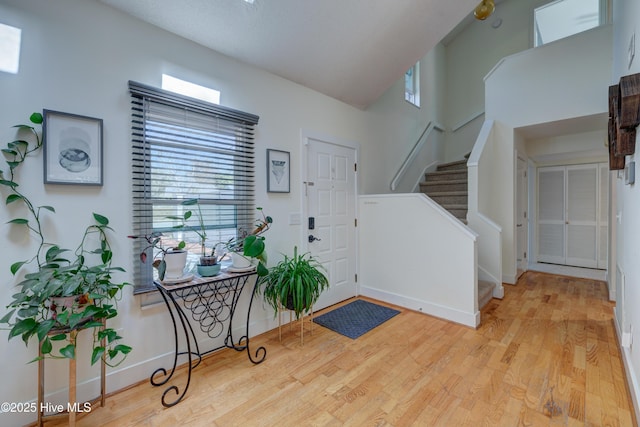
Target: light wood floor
(545, 355)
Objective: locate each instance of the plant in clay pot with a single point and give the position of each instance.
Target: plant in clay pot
(62, 293)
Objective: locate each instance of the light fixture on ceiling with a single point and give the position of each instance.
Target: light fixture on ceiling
(484, 9)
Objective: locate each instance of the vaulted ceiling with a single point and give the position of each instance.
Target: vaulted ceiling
(351, 50)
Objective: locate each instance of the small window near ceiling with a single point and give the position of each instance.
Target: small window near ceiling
(193, 90)
(9, 48)
(564, 18)
(412, 85)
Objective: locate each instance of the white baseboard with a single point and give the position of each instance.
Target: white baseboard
(498, 291)
(509, 278)
(632, 377)
(468, 319)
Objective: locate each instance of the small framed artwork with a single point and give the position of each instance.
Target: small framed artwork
(278, 179)
(72, 149)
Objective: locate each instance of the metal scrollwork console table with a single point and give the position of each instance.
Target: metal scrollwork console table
(211, 303)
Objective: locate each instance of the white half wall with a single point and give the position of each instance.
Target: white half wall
(414, 254)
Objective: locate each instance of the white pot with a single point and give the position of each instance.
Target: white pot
(240, 261)
(175, 262)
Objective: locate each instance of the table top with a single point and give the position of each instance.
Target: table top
(195, 280)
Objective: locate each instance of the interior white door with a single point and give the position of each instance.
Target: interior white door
(521, 220)
(331, 202)
(572, 215)
(551, 215)
(582, 216)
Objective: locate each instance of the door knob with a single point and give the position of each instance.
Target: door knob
(312, 238)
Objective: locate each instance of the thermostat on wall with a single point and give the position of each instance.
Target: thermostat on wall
(630, 173)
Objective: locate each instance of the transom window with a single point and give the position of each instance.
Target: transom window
(564, 18)
(184, 148)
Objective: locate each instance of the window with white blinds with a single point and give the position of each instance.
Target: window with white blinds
(183, 148)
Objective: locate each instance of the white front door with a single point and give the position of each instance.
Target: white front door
(330, 223)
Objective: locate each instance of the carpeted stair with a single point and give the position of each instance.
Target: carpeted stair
(447, 186)
(485, 292)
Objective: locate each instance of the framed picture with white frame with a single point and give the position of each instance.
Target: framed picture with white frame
(278, 171)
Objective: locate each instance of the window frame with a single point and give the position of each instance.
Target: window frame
(412, 91)
(604, 13)
(217, 141)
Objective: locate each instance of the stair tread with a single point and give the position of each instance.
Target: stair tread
(451, 181)
(455, 162)
(446, 172)
(485, 292)
(449, 193)
(454, 206)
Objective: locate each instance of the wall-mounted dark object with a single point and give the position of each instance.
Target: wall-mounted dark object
(629, 101)
(615, 162)
(625, 142)
(624, 118)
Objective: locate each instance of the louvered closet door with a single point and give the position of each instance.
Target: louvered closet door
(582, 216)
(551, 215)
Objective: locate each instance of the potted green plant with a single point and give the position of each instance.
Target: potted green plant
(294, 283)
(251, 245)
(208, 265)
(64, 293)
(168, 260)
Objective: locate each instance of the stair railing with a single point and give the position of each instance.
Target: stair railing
(414, 152)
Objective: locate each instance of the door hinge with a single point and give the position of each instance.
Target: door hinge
(355, 167)
(525, 214)
(355, 222)
(356, 277)
(525, 255)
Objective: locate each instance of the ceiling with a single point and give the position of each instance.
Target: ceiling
(351, 50)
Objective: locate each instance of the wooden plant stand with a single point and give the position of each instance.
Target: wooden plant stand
(71, 404)
(281, 311)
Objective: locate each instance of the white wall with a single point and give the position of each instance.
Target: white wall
(626, 18)
(397, 125)
(470, 56)
(575, 148)
(415, 254)
(537, 86)
(77, 57)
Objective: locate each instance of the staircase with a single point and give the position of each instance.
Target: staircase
(447, 186)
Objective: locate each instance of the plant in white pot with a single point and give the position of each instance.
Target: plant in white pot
(63, 293)
(209, 261)
(251, 245)
(169, 261)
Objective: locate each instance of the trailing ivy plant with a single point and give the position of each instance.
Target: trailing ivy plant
(68, 291)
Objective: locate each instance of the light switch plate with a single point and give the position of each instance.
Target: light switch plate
(294, 218)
